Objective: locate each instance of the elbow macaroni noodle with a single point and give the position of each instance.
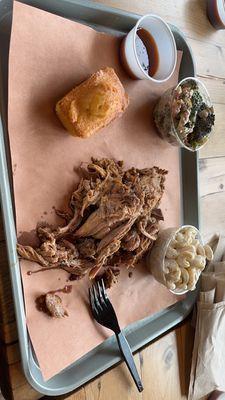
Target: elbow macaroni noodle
(185, 259)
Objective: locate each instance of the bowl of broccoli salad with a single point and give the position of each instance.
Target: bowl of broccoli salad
(184, 115)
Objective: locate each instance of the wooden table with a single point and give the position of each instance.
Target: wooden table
(165, 364)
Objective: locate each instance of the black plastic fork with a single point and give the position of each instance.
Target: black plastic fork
(104, 313)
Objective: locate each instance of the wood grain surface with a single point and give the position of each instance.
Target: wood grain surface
(165, 364)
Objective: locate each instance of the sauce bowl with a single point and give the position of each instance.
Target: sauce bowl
(165, 43)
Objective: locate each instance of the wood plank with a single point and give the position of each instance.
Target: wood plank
(212, 184)
(80, 395)
(2, 234)
(26, 392)
(16, 374)
(210, 52)
(213, 217)
(215, 86)
(8, 332)
(15, 384)
(12, 353)
(116, 381)
(212, 176)
(185, 341)
(4, 376)
(165, 365)
(212, 196)
(20, 387)
(216, 145)
(7, 307)
(6, 299)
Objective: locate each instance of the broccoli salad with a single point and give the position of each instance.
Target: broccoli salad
(184, 112)
(192, 117)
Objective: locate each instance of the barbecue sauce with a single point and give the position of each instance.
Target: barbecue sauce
(66, 289)
(41, 270)
(147, 51)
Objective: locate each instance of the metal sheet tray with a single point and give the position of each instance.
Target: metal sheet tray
(138, 334)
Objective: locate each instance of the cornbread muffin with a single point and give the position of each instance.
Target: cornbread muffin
(93, 104)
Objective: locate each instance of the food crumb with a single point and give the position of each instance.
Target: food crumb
(14, 168)
(130, 274)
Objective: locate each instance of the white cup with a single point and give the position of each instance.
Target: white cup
(156, 256)
(165, 43)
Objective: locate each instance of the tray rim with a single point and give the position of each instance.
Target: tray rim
(183, 307)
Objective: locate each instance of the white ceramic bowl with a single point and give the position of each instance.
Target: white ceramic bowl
(156, 257)
(165, 43)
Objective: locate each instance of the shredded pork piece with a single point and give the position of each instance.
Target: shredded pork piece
(109, 276)
(87, 247)
(131, 240)
(28, 253)
(51, 304)
(114, 220)
(54, 305)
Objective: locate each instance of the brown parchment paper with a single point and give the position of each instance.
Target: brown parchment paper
(48, 56)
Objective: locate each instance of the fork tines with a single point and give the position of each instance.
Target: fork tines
(101, 306)
(98, 296)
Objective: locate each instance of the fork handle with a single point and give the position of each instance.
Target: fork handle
(129, 359)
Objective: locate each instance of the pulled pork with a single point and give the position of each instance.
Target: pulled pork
(51, 304)
(114, 220)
